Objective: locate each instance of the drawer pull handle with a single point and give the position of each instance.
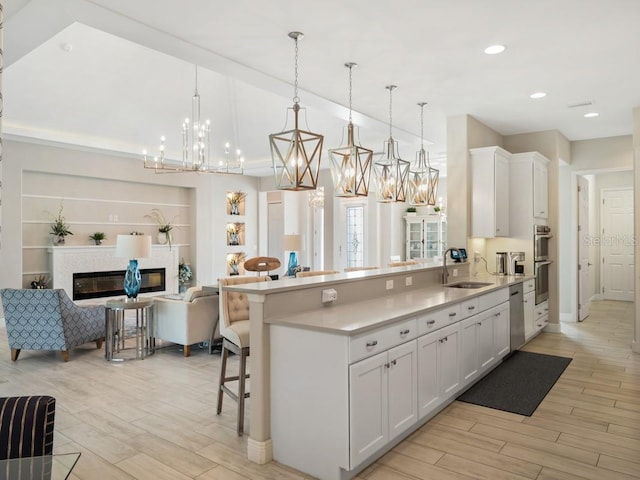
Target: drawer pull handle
(431, 322)
(471, 307)
(393, 362)
(372, 343)
(498, 314)
(453, 314)
(404, 332)
(387, 365)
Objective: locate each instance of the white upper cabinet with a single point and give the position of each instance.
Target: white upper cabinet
(529, 201)
(490, 192)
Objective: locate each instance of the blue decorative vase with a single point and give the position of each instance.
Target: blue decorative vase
(132, 280)
(293, 263)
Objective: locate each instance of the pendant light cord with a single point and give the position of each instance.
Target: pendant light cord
(350, 91)
(196, 89)
(390, 87)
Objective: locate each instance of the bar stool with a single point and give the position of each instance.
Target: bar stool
(234, 329)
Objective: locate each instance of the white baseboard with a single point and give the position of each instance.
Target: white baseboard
(635, 346)
(553, 328)
(260, 452)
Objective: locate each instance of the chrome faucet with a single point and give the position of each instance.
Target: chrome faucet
(445, 272)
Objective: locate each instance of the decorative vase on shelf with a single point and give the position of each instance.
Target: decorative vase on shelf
(234, 239)
(58, 240)
(234, 269)
(164, 238)
(235, 210)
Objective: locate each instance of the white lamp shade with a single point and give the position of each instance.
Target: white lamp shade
(291, 243)
(133, 246)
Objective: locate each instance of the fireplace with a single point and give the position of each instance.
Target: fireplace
(88, 285)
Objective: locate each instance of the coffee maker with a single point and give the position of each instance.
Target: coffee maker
(516, 260)
(501, 263)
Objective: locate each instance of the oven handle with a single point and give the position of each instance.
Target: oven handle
(543, 236)
(542, 264)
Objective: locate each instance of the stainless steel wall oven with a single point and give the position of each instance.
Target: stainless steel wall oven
(542, 236)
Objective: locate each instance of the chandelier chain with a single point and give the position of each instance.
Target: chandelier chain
(296, 98)
(196, 89)
(390, 110)
(350, 91)
(422, 126)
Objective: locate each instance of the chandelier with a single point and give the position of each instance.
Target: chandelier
(423, 179)
(231, 164)
(391, 172)
(350, 164)
(195, 144)
(296, 153)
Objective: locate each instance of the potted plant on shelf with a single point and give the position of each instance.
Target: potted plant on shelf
(411, 211)
(164, 226)
(234, 199)
(59, 228)
(98, 237)
(234, 260)
(41, 282)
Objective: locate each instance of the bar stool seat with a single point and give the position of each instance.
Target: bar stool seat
(234, 329)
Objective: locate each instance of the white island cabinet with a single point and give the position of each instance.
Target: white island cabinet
(339, 400)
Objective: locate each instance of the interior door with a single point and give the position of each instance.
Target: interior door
(584, 296)
(616, 250)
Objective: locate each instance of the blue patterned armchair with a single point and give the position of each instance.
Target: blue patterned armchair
(49, 320)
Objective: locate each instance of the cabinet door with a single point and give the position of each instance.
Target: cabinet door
(415, 239)
(368, 407)
(449, 361)
(469, 350)
(501, 196)
(428, 366)
(486, 348)
(502, 341)
(403, 388)
(529, 307)
(540, 191)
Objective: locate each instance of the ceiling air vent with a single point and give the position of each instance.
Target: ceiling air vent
(586, 103)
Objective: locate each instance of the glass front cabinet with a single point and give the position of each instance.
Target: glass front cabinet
(426, 236)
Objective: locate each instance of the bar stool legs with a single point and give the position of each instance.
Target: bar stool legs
(239, 397)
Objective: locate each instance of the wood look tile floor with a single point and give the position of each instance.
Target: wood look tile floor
(155, 419)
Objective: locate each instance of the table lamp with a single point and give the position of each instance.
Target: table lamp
(292, 244)
(133, 247)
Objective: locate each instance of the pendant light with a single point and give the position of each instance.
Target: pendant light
(296, 153)
(423, 179)
(350, 164)
(391, 171)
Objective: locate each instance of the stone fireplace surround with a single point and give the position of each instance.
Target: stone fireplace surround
(64, 261)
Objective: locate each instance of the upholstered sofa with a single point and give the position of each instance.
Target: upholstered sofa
(49, 320)
(187, 320)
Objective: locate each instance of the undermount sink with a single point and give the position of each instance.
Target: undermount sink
(468, 285)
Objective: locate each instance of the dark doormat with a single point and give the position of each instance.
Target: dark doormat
(519, 384)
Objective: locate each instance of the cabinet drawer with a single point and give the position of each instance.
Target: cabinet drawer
(468, 308)
(541, 310)
(529, 286)
(490, 300)
(369, 343)
(437, 319)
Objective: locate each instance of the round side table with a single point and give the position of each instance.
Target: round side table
(114, 327)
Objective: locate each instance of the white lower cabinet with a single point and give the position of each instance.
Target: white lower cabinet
(382, 399)
(529, 314)
(438, 368)
(484, 338)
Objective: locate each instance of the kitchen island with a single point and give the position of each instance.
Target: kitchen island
(336, 384)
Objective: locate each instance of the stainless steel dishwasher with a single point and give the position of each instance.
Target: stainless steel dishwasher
(516, 317)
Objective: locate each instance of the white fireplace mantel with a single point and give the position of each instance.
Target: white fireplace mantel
(64, 261)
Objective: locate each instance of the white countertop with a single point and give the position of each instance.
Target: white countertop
(358, 317)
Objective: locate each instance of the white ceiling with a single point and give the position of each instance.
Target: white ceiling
(129, 75)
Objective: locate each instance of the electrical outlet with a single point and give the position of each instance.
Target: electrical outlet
(389, 284)
(455, 272)
(408, 281)
(476, 257)
(329, 295)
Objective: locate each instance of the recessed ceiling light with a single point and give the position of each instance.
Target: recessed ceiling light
(67, 47)
(538, 95)
(494, 49)
(591, 114)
